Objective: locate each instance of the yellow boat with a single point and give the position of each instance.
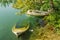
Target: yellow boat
(19, 31)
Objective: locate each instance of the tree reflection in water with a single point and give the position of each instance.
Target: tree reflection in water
(6, 2)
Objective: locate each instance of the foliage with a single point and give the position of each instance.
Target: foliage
(54, 19)
(25, 5)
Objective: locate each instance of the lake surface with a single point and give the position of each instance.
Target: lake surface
(8, 19)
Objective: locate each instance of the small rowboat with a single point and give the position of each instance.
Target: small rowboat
(39, 13)
(19, 31)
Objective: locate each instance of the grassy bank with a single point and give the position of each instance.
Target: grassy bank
(44, 33)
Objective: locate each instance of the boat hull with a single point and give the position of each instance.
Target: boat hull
(19, 31)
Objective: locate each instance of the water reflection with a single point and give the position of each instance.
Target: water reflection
(6, 2)
(7, 20)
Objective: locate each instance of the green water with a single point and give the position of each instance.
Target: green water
(8, 19)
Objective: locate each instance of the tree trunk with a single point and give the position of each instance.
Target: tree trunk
(52, 4)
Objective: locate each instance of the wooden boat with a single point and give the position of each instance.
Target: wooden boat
(19, 31)
(39, 13)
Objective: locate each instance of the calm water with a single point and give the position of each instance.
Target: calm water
(7, 21)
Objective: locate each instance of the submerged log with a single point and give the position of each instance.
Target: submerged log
(39, 13)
